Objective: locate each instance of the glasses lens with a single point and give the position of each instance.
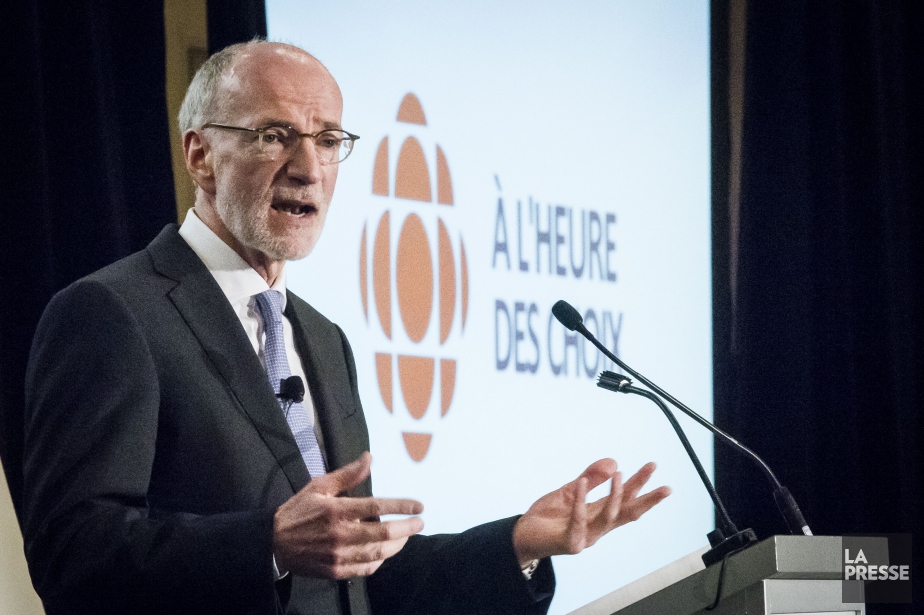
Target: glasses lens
(333, 146)
(277, 139)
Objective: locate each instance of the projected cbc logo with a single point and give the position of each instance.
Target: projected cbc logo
(407, 273)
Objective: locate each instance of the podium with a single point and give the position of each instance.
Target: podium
(795, 575)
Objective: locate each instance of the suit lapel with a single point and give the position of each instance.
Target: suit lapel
(208, 314)
(321, 352)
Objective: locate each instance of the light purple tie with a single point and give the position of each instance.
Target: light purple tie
(269, 304)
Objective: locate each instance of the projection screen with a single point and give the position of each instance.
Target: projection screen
(514, 154)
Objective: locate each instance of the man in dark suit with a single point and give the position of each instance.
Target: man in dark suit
(162, 473)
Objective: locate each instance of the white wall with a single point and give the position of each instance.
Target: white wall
(16, 594)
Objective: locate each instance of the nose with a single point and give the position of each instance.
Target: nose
(304, 164)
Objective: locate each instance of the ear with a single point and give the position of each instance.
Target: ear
(198, 156)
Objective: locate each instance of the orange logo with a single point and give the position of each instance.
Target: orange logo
(407, 273)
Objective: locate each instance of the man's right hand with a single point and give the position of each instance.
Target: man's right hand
(316, 533)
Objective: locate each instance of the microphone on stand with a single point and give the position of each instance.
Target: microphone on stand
(723, 540)
(572, 320)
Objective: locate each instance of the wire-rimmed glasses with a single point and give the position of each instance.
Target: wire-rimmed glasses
(281, 141)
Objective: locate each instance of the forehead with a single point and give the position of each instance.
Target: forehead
(278, 82)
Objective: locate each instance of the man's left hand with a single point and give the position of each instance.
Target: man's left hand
(562, 522)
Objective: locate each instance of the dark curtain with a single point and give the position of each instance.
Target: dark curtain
(234, 21)
(818, 334)
(86, 175)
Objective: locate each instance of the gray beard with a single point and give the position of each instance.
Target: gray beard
(248, 224)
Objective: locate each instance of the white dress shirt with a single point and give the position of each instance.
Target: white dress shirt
(240, 283)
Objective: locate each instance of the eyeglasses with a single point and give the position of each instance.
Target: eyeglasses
(281, 141)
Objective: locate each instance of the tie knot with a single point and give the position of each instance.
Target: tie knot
(269, 302)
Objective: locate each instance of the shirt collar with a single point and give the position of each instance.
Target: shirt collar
(237, 280)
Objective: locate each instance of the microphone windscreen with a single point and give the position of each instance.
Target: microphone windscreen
(292, 388)
(567, 315)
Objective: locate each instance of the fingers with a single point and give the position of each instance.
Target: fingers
(349, 476)
(359, 550)
(614, 500)
(634, 506)
(318, 534)
(378, 532)
(638, 480)
(331, 542)
(599, 472)
(374, 552)
(577, 524)
(368, 508)
(640, 505)
(361, 560)
(623, 504)
(342, 479)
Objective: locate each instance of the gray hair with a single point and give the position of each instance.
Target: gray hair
(202, 101)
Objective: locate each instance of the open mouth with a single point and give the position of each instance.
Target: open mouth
(295, 208)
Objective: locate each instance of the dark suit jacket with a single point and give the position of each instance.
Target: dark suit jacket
(156, 455)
